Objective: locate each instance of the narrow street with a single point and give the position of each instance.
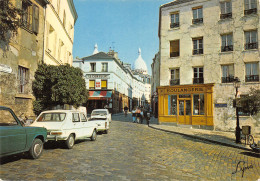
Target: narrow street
(133, 151)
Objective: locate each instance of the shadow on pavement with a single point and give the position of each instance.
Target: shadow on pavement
(251, 154)
(13, 158)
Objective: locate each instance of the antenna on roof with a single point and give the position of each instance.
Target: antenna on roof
(113, 47)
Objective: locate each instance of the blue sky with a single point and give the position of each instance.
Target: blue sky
(123, 25)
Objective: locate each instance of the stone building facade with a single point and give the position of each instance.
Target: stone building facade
(204, 45)
(19, 58)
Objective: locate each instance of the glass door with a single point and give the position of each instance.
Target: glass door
(184, 116)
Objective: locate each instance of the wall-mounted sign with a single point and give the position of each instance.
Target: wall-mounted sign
(5, 68)
(220, 105)
(98, 85)
(97, 76)
(182, 90)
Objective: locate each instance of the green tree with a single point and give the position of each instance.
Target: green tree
(251, 102)
(58, 85)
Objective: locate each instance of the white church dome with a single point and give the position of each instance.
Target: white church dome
(140, 64)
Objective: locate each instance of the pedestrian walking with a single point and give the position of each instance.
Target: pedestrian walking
(134, 115)
(138, 114)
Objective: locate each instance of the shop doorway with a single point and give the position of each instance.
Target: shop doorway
(184, 114)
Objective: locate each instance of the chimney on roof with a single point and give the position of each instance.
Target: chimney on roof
(113, 54)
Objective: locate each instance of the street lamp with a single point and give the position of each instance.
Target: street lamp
(237, 85)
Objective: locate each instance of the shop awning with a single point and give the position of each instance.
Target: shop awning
(99, 95)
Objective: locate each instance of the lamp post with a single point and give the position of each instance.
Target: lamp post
(237, 85)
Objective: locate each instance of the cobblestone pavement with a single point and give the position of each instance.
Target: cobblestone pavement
(133, 151)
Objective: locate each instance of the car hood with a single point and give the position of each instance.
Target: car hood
(48, 125)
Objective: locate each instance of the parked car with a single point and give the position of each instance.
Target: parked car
(101, 112)
(15, 137)
(102, 122)
(66, 125)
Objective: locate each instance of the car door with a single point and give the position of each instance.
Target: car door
(77, 125)
(12, 133)
(87, 131)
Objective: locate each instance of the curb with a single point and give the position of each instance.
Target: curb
(203, 139)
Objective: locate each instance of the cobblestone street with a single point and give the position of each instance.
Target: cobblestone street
(133, 151)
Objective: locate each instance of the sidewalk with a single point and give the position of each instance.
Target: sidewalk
(217, 137)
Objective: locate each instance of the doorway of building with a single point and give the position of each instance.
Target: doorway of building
(184, 114)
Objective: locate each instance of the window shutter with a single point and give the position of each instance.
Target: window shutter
(35, 24)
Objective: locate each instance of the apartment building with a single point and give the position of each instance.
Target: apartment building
(205, 45)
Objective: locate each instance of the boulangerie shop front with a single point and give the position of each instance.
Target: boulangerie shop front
(186, 105)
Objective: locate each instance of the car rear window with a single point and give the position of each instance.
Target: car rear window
(95, 119)
(99, 113)
(52, 117)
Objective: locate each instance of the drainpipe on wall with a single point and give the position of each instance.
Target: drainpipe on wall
(44, 26)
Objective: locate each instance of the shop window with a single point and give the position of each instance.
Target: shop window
(250, 7)
(175, 77)
(197, 45)
(175, 20)
(251, 40)
(198, 104)
(175, 48)
(226, 10)
(93, 67)
(103, 84)
(227, 73)
(23, 79)
(252, 72)
(227, 42)
(197, 15)
(91, 84)
(104, 67)
(172, 107)
(198, 75)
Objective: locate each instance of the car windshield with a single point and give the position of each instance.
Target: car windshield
(95, 119)
(99, 113)
(52, 117)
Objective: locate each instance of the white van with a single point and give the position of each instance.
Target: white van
(66, 125)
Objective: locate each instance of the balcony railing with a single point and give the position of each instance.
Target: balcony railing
(199, 80)
(252, 78)
(174, 25)
(225, 16)
(175, 82)
(174, 54)
(227, 79)
(250, 11)
(197, 21)
(197, 51)
(227, 48)
(249, 46)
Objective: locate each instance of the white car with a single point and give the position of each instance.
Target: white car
(101, 112)
(66, 125)
(102, 122)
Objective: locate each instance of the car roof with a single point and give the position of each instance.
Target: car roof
(100, 110)
(62, 110)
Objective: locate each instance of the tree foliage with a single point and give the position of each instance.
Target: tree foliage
(251, 102)
(58, 85)
(9, 20)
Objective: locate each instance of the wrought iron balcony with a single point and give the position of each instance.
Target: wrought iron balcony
(174, 54)
(249, 46)
(175, 82)
(174, 25)
(197, 21)
(227, 48)
(197, 51)
(199, 80)
(252, 78)
(250, 11)
(227, 79)
(225, 16)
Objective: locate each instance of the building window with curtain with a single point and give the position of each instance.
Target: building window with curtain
(175, 77)
(197, 45)
(175, 21)
(92, 84)
(197, 15)
(251, 40)
(227, 73)
(23, 79)
(250, 7)
(226, 10)
(104, 67)
(175, 48)
(227, 42)
(198, 104)
(172, 101)
(198, 75)
(92, 67)
(252, 72)
(103, 84)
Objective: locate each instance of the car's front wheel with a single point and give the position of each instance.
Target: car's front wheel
(94, 135)
(36, 148)
(106, 131)
(70, 141)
